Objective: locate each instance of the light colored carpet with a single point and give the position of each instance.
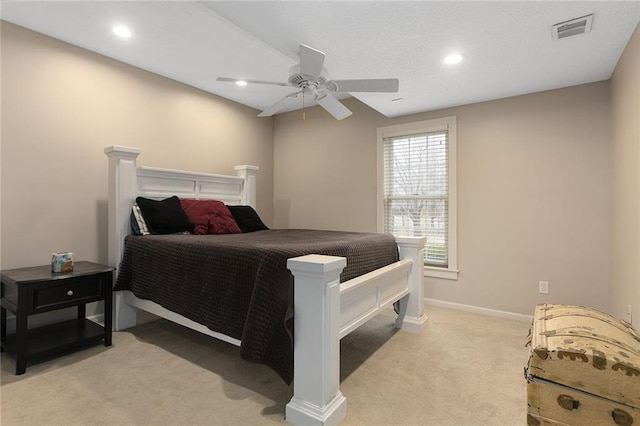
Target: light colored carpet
(464, 369)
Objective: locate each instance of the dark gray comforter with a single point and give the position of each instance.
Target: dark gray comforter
(239, 284)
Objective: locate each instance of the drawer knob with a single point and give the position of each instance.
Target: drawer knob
(70, 293)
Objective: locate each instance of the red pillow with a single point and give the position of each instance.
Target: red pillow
(209, 217)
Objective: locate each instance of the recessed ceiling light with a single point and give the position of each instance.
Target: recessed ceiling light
(122, 31)
(241, 83)
(452, 59)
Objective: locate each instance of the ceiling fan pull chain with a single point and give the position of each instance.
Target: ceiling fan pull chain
(304, 113)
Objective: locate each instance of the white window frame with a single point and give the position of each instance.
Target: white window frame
(446, 123)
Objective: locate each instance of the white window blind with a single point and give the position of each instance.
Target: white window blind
(416, 190)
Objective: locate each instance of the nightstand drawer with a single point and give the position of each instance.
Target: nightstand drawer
(68, 292)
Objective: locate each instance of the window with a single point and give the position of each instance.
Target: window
(417, 188)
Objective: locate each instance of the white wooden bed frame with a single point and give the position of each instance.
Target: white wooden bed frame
(325, 310)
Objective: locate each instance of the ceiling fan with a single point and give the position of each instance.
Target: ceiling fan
(309, 78)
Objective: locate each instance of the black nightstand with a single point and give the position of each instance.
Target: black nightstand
(29, 291)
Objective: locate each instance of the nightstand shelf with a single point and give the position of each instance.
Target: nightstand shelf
(29, 291)
(49, 340)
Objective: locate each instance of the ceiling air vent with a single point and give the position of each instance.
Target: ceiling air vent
(573, 27)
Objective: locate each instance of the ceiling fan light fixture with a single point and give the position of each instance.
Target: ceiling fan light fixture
(452, 59)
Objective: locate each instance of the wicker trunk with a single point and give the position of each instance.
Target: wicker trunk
(584, 368)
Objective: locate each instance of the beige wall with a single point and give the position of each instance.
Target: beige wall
(534, 197)
(625, 102)
(62, 105)
(544, 159)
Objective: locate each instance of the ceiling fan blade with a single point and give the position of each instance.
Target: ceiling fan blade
(278, 105)
(389, 85)
(333, 106)
(233, 80)
(311, 61)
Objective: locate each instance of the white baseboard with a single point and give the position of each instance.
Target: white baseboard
(479, 310)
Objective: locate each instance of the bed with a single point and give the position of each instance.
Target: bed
(328, 298)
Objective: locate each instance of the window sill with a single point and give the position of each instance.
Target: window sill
(447, 274)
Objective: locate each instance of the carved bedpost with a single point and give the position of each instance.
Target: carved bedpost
(317, 399)
(248, 173)
(411, 314)
(122, 193)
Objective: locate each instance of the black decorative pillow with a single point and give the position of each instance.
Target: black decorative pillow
(247, 219)
(164, 216)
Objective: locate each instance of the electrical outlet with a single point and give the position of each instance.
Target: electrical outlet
(629, 314)
(543, 287)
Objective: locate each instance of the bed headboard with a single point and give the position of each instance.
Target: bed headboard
(128, 181)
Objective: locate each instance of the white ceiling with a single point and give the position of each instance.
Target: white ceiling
(507, 45)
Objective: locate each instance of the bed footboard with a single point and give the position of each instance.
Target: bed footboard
(326, 311)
